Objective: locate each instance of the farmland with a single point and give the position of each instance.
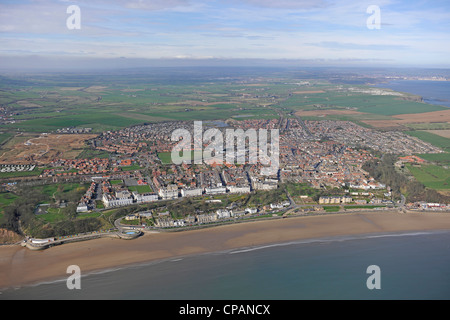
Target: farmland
(437, 174)
(58, 102)
(46, 103)
(439, 158)
(420, 121)
(434, 139)
(432, 176)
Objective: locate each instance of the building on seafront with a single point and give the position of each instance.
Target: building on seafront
(335, 200)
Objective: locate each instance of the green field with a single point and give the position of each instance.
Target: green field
(53, 215)
(6, 198)
(440, 158)
(165, 157)
(90, 154)
(44, 103)
(432, 176)
(434, 139)
(66, 191)
(301, 189)
(372, 104)
(140, 189)
(4, 137)
(133, 167)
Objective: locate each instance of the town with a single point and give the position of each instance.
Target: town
(322, 155)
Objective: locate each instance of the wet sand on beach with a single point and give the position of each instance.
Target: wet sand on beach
(21, 266)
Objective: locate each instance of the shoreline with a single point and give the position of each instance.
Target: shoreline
(22, 267)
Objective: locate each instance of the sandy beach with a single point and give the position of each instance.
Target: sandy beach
(21, 266)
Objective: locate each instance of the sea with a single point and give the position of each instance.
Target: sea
(432, 92)
(389, 266)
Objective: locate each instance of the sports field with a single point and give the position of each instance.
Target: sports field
(140, 189)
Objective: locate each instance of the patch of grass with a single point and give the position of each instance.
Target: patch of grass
(4, 137)
(98, 121)
(53, 215)
(331, 208)
(165, 157)
(432, 176)
(99, 204)
(140, 189)
(131, 168)
(301, 189)
(6, 198)
(90, 154)
(440, 158)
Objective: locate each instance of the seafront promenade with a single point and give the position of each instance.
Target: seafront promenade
(129, 232)
(41, 244)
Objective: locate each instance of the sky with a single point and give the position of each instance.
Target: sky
(44, 33)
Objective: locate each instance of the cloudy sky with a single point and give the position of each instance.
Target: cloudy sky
(411, 32)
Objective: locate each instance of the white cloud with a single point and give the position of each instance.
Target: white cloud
(286, 4)
(263, 29)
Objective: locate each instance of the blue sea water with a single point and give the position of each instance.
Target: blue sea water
(432, 92)
(413, 265)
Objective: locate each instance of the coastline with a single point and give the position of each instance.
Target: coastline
(20, 266)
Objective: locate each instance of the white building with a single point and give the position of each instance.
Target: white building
(145, 214)
(168, 193)
(223, 213)
(122, 198)
(251, 210)
(82, 207)
(144, 197)
(276, 206)
(179, 223)
(268, 184)
(207, 217)
(239, 189)
(191, 192)
(215, 190)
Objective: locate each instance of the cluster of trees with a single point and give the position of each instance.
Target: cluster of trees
(300, 189)
(20, 216)
(384, 171)
(68, 227)
(189, 206)
(261, 198)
